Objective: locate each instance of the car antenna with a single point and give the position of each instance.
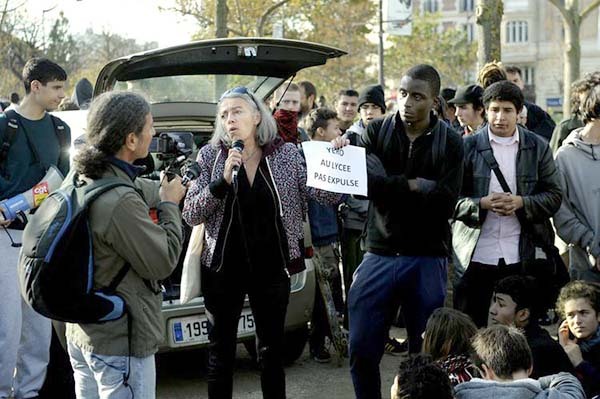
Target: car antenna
(283, 94)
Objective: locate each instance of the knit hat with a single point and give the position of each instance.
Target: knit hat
(372, 94)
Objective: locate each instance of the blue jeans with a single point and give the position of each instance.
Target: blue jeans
(381, 284)
(101, 377)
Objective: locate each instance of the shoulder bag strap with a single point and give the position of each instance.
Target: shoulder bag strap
(489, 158)
(386, 131)
(9, 136)
(439, 146)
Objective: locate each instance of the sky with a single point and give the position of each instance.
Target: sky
(137, 19)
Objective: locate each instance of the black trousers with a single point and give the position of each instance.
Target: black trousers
(474, 291)
(223, 299)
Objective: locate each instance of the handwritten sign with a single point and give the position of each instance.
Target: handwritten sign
(341, 171)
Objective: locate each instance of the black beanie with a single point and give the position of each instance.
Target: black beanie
(372, 94)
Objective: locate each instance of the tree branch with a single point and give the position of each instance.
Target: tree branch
(561, 8)
(263, 18)
(586, 11)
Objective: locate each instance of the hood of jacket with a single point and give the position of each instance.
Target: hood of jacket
(574, 139)
(357, 127)
(479, 388)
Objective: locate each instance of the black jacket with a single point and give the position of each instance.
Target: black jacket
(402, 222)
(539, 122)
(548, 356)
(588, 371)
(537, 183)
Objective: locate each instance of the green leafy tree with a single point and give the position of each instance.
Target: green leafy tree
(344, 24)
(243, 17)
(449, 51)
(62, 47)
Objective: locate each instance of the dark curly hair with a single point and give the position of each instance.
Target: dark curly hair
(112, 116)
(420, 378)
(317, 118)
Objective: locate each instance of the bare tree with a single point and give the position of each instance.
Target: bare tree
(572, 20)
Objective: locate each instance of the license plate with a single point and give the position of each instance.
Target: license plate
(194, 329)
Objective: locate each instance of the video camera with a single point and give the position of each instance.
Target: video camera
(173, 149)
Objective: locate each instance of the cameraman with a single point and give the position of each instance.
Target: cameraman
(25, 156)
(116, 359)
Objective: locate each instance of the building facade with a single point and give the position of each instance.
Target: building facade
(532, 38)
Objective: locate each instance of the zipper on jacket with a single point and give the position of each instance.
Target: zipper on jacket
(228, 226)
(276, 197)
(410, 149)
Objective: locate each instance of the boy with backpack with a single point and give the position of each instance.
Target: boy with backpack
(31, 142)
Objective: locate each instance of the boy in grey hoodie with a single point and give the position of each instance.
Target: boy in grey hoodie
(578, 161)
(504, 359)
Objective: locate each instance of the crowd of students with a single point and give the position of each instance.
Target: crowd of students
(476, 192)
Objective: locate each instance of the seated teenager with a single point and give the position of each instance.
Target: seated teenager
(420, 378)
(579, 334)
(515, 303)
(502, 355)
(447, 339)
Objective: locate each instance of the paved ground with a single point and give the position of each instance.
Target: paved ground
(183, 376)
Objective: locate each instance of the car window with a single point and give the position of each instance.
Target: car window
(188, 88)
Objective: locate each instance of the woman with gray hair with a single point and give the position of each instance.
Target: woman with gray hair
(115, 359)
(253, 234)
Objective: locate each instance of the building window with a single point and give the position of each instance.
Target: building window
(517, 32)
(528, 75)
(430, 6)
(470, 31)
(467, 5)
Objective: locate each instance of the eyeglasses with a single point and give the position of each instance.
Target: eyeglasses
(235, 90)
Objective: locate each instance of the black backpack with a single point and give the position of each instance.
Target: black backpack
(11, 131)
(56, 265)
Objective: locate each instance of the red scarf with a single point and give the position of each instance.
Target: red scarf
(287, 125)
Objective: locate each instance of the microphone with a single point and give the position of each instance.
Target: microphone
(237, 145)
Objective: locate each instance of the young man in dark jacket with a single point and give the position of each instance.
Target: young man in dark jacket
(495, 231)
(414, 167)
(516, 303)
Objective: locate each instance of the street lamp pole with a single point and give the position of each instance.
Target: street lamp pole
(380, 52)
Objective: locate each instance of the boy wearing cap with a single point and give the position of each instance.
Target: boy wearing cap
(469, 108)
